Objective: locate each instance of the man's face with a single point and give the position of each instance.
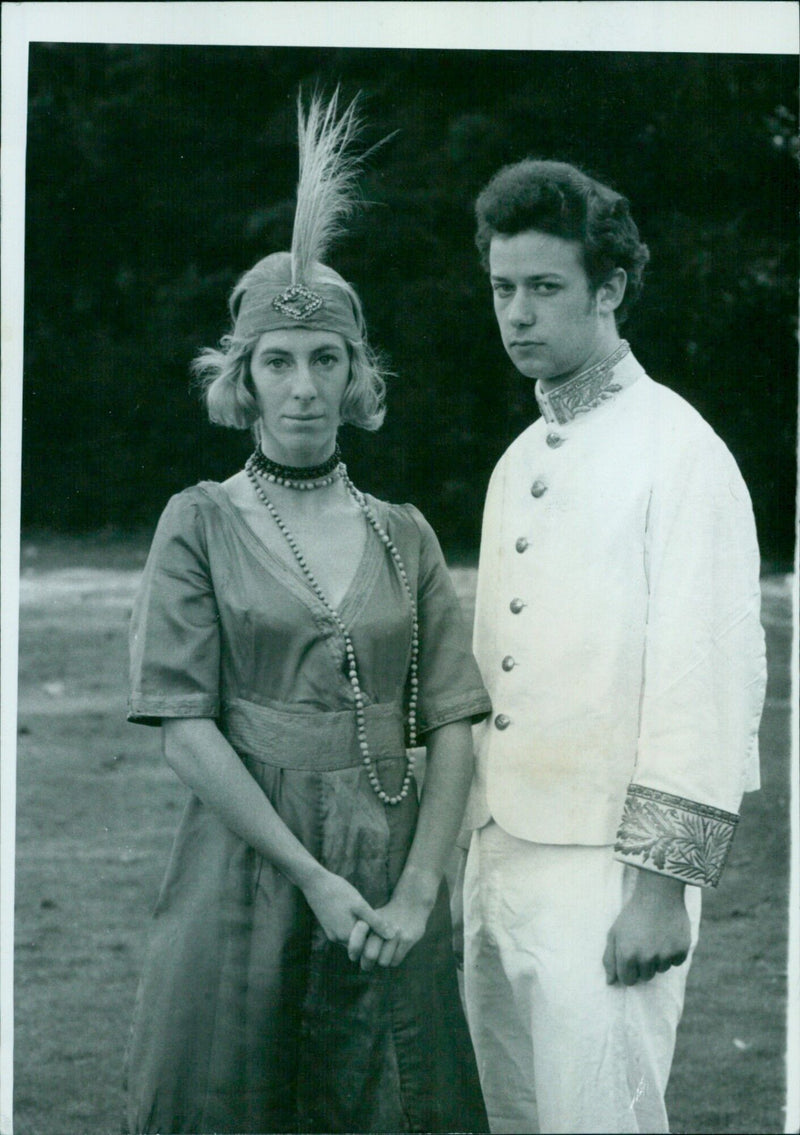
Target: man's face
(548, 315)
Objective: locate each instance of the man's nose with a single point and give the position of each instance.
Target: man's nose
(521, 312)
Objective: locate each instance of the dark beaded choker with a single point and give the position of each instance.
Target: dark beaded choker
(276, 472)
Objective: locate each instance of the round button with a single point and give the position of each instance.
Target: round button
(538, 489)
(508, 663)
(554, 440)
(521, 544)
(515, 606)
(501, 721)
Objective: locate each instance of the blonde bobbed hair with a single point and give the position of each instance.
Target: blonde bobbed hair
(223, 373)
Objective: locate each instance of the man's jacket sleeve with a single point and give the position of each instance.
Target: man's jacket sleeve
(704, 670)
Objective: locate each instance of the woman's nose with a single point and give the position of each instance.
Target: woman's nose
(303, 384)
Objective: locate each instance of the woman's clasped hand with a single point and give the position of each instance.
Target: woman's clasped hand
(400, 925)
(340, 909)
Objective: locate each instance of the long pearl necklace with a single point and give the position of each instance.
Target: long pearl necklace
(352, 669)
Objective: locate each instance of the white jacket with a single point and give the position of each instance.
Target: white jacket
(617, 629)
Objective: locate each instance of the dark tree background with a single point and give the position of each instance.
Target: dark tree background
(156, 175)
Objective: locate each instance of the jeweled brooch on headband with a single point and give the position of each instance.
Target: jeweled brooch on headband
(298, 301)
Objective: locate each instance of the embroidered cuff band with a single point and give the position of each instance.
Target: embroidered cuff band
(674, 836)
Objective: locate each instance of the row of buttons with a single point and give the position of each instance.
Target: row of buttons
(538, 489)
(502, 720)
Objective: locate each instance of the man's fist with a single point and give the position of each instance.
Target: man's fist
(651, 932)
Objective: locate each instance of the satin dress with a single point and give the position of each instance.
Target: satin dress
(247, 1019)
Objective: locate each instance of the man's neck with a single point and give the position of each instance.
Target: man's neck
(590, 387)
(605, 347)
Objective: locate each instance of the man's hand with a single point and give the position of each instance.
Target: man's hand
(651, 932)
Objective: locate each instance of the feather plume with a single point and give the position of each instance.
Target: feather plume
(326, 190)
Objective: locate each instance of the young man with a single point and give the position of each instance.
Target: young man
(617, 628)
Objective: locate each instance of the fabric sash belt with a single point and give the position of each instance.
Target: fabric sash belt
(316, 740)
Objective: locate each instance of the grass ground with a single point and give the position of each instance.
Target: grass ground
(97, 807)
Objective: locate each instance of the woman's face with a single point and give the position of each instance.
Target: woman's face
(299, 377)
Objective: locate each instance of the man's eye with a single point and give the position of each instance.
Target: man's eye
(502, 289)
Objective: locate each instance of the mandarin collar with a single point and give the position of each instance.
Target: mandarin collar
(591, 388)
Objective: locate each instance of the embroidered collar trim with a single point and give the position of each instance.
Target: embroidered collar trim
(583, 392)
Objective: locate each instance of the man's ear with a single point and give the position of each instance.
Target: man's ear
(612, 291)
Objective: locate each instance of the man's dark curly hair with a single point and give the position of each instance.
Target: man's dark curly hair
(562, 200)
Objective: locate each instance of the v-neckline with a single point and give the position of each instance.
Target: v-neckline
(285, 573)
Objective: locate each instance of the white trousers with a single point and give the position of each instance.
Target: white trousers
(558, 1049)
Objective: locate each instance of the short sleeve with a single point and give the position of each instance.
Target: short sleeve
(174, 632)
(450, 685)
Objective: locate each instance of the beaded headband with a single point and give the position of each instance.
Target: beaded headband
(296, 289)
(269, 300)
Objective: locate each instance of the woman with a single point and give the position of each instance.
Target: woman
(288, 632)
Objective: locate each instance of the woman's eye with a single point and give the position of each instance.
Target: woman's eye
(503, 290)
(327, 360)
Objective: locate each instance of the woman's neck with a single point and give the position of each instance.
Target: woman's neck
(300, 457)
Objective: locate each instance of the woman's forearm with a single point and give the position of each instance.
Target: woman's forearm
(447, 779)
(202, 758)
(444, 796)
